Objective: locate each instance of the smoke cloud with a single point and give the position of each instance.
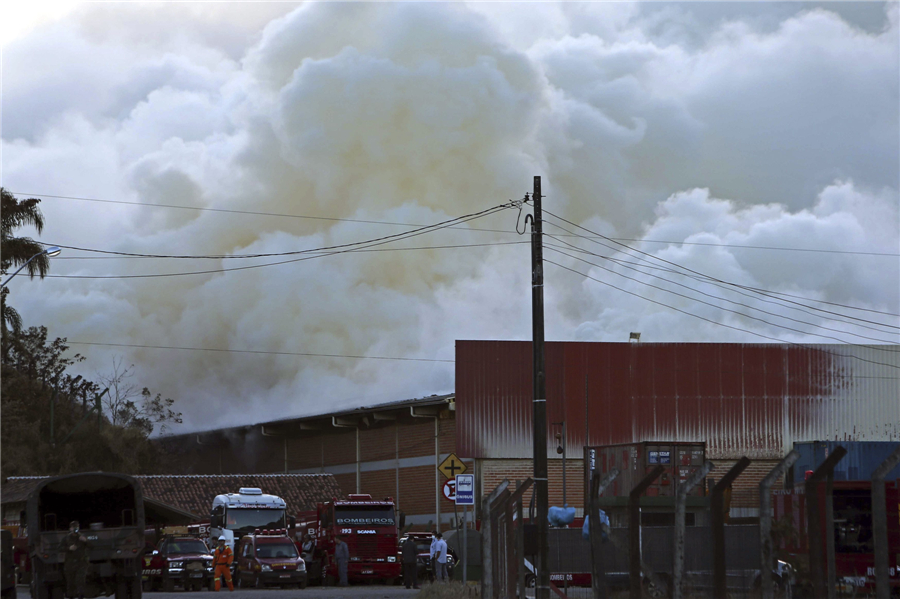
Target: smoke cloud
(695, 130)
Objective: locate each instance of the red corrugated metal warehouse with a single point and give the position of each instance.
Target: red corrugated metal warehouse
(740, 399)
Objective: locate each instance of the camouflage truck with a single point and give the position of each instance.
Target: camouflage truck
(110, 510)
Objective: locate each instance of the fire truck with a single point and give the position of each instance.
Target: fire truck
(854, 558)
(369, 527)
(237, 514)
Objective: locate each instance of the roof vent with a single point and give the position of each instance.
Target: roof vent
(250, 491)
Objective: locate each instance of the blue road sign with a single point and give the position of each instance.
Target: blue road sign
(465, 489)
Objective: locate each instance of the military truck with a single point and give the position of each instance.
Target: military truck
(110, 510)
(8, 566)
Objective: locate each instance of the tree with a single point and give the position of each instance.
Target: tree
(15, 251)
(127, 406)
(35, 383)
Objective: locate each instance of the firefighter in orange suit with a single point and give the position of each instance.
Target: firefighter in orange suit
(222, 558)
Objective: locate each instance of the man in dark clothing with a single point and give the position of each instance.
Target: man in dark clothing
(342, 557)
(410, 567)
(76, 561)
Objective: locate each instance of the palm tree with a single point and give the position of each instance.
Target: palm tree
(17, 250)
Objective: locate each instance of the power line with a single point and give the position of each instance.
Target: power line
(729, 309)
(363, 244)
(709, 320)
(639, 268)
(250, 351)
(378, 222)
(705, 276)
(127, 255)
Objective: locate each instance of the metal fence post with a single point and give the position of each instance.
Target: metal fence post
(814, 521)
(717, 503)
(879, 525)
(680, 503)
(598, 485)
(634, 532)
(767, 551)
(829, 533)
(487, 572)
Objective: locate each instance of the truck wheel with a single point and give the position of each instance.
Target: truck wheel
(300, 585)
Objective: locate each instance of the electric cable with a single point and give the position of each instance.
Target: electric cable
(323, 251)
(377, 222)
(729, 309)
(200, 257)
(705, 276)
(638, 268)
(709, 320)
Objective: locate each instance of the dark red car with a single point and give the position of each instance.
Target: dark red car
(180, 561)
(269, 559)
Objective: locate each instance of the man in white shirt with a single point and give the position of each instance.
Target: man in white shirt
(440, 559)
(431, 560)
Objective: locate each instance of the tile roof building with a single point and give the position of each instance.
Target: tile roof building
(195, 493)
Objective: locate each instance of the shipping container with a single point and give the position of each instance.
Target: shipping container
(635, 460)
(853, 535)
(740, 399)
(862, 458)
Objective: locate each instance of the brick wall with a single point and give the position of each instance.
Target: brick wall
(494, 471)
(745, 490)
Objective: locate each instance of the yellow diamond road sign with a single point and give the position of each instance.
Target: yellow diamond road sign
(452, 466)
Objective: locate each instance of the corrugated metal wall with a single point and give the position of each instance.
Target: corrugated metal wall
(741, 399)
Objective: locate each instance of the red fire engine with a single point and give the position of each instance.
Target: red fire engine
(853, 542)
(369, 528)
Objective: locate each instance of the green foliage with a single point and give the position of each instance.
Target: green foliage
(50, 424)
(35, 382)
(15, 251)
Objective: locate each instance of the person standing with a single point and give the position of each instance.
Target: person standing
(432, 562)
(410, 567)
(76, 561)
(342, 557)
(440, 559)
(222, 558)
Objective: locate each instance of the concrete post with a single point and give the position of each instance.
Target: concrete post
(598, 574)
(814, 522)
(767, 553)
(692, 481)
(634, 532)
(880, 525)
(717, 505)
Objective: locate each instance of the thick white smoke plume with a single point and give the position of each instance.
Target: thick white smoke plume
(709, 127)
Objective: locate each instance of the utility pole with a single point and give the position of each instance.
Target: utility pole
(539, 399)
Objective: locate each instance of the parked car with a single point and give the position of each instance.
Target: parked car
(423, 563)
(180, 561)
(269, 559)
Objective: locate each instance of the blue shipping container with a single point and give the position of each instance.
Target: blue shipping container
(862, 458)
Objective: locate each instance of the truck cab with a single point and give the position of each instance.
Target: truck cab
(369, 527)
(237, 514)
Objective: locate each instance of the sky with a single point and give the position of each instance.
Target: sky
(711, 172)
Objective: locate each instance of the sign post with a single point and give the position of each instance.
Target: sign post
(465, 496)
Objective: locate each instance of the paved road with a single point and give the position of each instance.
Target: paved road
(355, 592)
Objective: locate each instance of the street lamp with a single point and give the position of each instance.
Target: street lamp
(49, 252)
